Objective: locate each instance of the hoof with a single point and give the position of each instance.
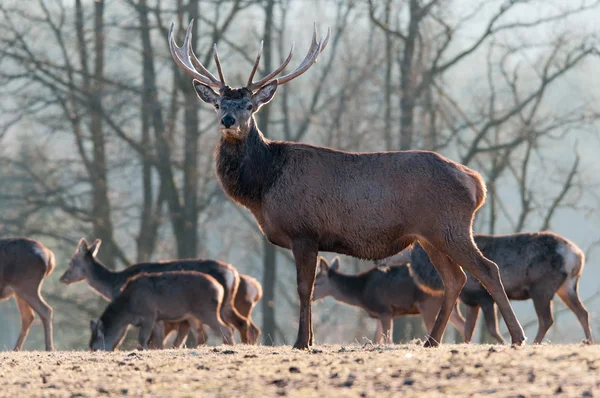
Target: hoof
(301, 344)
(431, 343)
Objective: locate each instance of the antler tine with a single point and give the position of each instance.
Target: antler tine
(216, 56)
(311, 57)
(256, 85)
(255, 67)
(181, 56)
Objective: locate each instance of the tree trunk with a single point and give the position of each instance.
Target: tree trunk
(190, 162)
(407, 79)
(270, 255)
(101, 208)
(387, 89)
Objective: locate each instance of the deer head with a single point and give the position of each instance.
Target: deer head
(80, 261)
(235, 107)
(322, 286)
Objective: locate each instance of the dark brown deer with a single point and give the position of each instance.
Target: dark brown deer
(248, 295)
(384, 292)
(149, 298)
(369, 205)
(24, 263)
(532, 266)
(85, 266)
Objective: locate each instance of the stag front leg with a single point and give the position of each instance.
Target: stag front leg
(454, 279)
(305, 255)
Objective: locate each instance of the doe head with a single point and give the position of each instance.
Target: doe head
(323, 286)
(235, 107)
(97, 341)
(81, 261)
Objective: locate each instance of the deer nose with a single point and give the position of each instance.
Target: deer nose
(228, 121)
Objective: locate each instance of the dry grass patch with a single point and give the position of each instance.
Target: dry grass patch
(326, 371)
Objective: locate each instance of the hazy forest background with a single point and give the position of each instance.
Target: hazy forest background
(101, 136)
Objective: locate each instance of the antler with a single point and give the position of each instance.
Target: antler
(311, 58)
(186, 59)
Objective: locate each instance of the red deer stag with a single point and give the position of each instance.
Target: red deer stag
(369, 205)
(24, 263)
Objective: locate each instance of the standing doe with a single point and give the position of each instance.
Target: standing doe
(85, 266)
(369, 205)
(146, 299)
(385, 292)
(532, 266)
(24, 263)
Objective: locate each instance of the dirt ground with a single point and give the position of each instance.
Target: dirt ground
(326, 371)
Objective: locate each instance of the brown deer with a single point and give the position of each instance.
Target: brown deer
(248, 295)
(24, 263)
(532, 266)
(149, 298)
(85, 266)
(385, 292)
(368, 205)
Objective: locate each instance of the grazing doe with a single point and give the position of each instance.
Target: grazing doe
(385, 292)
(532, 266)
(170, 296)
(85, 266)
(248, 295)
(24, 263)
(369, 205)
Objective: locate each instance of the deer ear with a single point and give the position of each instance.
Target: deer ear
(205, 93)
(335, 263)
(93, 248)
(264, 95)
(323, 265)
(82, 246)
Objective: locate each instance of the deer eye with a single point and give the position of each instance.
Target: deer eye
(217, 106)
(249, 107)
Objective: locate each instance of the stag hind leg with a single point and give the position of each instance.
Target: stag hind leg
(454, 279)
(27, 317)
(568, 294)
(462, 250)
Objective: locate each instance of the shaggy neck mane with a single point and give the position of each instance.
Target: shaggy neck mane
(248, 168)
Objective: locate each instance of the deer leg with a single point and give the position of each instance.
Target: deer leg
(464, 252)
(215, 323)
(457, 320)
(387, 327)
(232, 317)
(35, 301)
(542, 301)
(183, 328)
(157, 337)
(305, 255)
(27, 317)
(200, 337)
(454, 279)
(491, 320)
(378, 332)
(146, 328)
(568, 294)
(470, 322)
(429, 310)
